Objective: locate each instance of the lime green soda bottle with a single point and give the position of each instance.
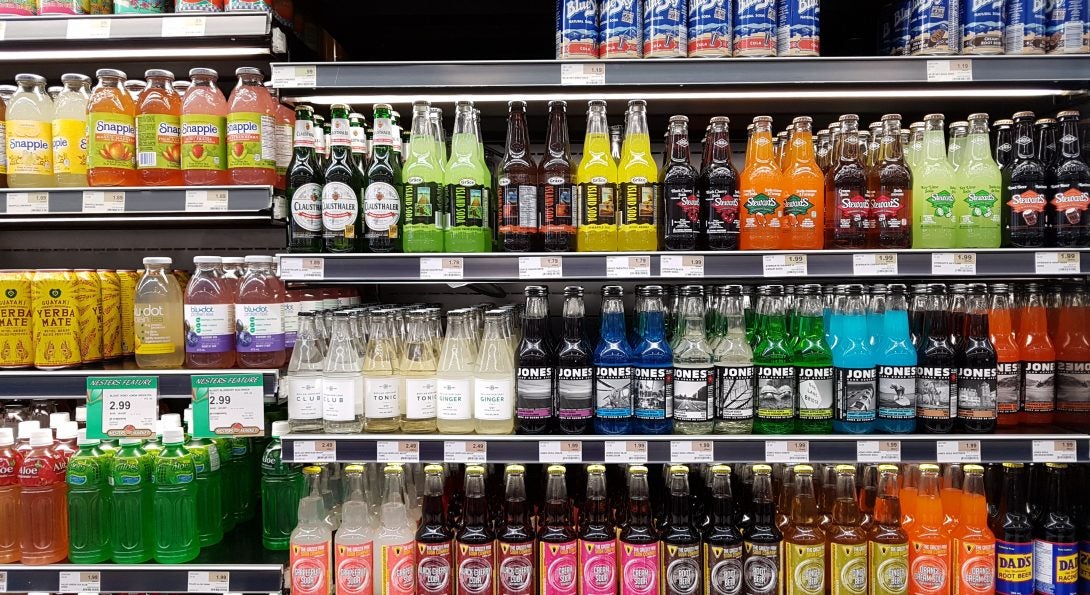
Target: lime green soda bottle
(468, 188)
(175, 508)
(206, 462)
(423, 210)
(933, 186)
(281, 487)
(132, 533)
(979, 184)
(88, 499)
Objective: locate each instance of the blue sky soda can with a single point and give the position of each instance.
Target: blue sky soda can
(982, 26)
(1025, 32)
(935, 29)
(710, 28)
(665, 29)
(620, 25)
(755, 28)
(1069, 27)
(576, 29)
(798, 28)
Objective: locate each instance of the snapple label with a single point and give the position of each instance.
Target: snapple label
(558, 571)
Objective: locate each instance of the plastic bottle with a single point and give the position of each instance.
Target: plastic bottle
(65, 445)
(132, 532)
(596, 177)
(382, 396)
(761, 188)
(813, 364)
(494, 381)
(174, 509)
(311, 559)
(10, 514)
(929, 540)
(395, 555)
(209, 317)
(251, 131)
(640, 194)
(204, 131)
(1038, 357)
(454, 375)
(887, 545)
(613, 372)
(979, 182)
(423, 206)
(158, 131)
(209, 480)
(639, 556)
(259, 316)
(895, 359)
(70, 132)
(763, 540)
(111, 132)
(933, 184)
(159, 318)
(467, 188)
(281, 489)
(515, 537)
(43, 502)
(88, 502)
(29, 131)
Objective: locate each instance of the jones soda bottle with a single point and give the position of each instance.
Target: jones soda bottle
(813, 364)
(977, 364)
(574, 372)
(536, 363)
(936, 404)
(653, 361)
(613, 361)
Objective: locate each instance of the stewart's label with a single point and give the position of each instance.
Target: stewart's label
(806, 565)
(848, 569)
(475, 563)
(734, 392)
(354, 564)
(639, 568)
(158, 142)
(760, 209)
(251, 141)
(1014, 568)
(975, 567)
(204, 144)
(889, 209)
(29, 148)
(815, 393)
(722, 569)
(930, 568)
(723, 211)
(598, 567)
(682, 210)
(434, 568)
(888, 568)
(516, 568)
(761, 570)
(70, 147)
(398, 569)
(559, 570)
(112, 141)
(310, 568)
(775, 392)
(683, 569)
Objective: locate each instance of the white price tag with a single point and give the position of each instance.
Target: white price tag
(623, 267)
(874, 265)
(785, 265)
(398, 451)
(560, 451)
(205, 200)
(98, 201)
(85, 28)
(583, 74)
(458, 451)
(787, 451)
(314, 451)
(949, 70)
(691, 451)
(953, 263)
(681, 265)
(957, 451)
(203, 581)
(287, 76)
(878, 451)
(3, 35)
(1057, 263)
(75, 581)
(184, 26)
(27, 203)
(626, 451)
(228, 405)
(541, 267)
(1055, 451)
(3, 581)
(302, 269)
(442, 268)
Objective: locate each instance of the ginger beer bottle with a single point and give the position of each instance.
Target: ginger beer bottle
(494, 381)
(847, 540)
(454, 376)
(597, 186)
(640, 191)
(803, 539)
(887, 545)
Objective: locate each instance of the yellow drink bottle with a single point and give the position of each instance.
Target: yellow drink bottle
(596, 180)
(641, 193)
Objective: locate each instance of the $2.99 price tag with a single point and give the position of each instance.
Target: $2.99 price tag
(122, 406)
(228, 405)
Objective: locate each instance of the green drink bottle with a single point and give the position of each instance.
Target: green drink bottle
(175, 506)
(132, 533)
(229, 483)
(813, 364)
(772, 360)
(244, 471)
(468, 189)
(979, 182)
(281, 488)
(206, 461)
(423, 211)
(88, 498)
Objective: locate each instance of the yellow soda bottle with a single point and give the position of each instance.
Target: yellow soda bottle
(596, 180)
(641, 192)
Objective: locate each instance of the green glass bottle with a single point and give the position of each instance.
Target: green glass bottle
(281, 488)
(175, 502)
(775, 372)
(131, 530)
(88, 497)
(423, 212)
(468, 189)
(206, 461)
(813, 364)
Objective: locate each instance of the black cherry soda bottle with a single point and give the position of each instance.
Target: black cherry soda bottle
(597, 555)
(1025, 190)
(846, 189)
(887, 542)
(681, 541)
(722, 538)
(803, 540)
(763, 539)
(638, 542)
(683, 226)
(515, 537)
(434, 538)
(717, 188)
(476, 543)
(977, 368)
(557, 570)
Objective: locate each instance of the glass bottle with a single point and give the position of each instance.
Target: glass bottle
(70, 131)
(305, 180)
(1004, 142)
(853, 364)
(557, 219)
(889, 187)
(717, 188)
(251, 128)
(846, 186)
(312, 549)
(613, 372)
(847, 564)
(354, 556)
(342, 189)
(304, 378)
(956, 148)
(895, 359)
(597, 186)
(681, 541)
(734, 371)
(476, 542)
(494, 381)
(382, 397)
(360, 146)
(1012, 527)
(640, 192)
(936, 406)
(693, 375)
(342, 382)
(515, 537)
(1055, 551)
(933, 224)
(639, 554)
(597, 548)
(159, 320)
(467, 182)
(887, 543)
(813, 364)
(204, 130)
(1038, 356)
(682, 228)
(979, 183)
(321, 142)
(763, 539)
(557, 569)
(209, 317)
(929, 540)
(422, 193)
(380, 205)
(977, 368)
(772, 359)
(435, 537)
(575, 371)
(974, 562)
(653, 361)
(454, 376)
(803, 539)
(111, 132)
(723, 548)
(1070, 186)
(520, 207)
(418, 368)
(158, 131)
(395, 558)
(535, 363)
(1025, 191)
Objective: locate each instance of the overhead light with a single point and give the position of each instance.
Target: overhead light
(150, 53)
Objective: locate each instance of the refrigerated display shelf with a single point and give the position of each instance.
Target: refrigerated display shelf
(72, 384)
(142, 578)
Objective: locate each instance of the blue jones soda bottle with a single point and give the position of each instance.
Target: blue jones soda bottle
(653, 361)
(854, 400)
(613, 368)
(895, 359)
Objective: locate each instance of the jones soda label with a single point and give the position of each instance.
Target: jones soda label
(398, 569)
(761, 570)
(815, 393)
(889, 568)
(310, 568)
(855, 399)
(1055, 567)
(434, 564)
(692, 391)
(1038, 384)
(896, 392)
(775, 392)
(683, 569)
(1072, 381)
(355, 563)
(574, 391)
(516, 568)
(598, 567)
(652, 386)
(1014, 568)
(976, 393)
(534, 387)
(806, 567)
(934, 392)
(613, 391)
(722, 569)
(639, 568)
(734, 398)
(559, 569)
(1008, 382)
(848, 570)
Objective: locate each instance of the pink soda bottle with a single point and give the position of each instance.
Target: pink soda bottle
(9, 498)
(209, 317)
(204, 131)
(251, 131)
(43, 537)
(259, 316)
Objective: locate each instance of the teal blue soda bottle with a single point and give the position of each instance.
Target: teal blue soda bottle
(855, 401)
(132, 533)
(175, 507)
(281, 488)
(206, 461)
(88, 501)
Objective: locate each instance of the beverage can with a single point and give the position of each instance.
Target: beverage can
(576, 29)
(1068, 27)
(140, 6)
(934, 27)
(128, 297)
(64, 7)
(798, 28)
(19, 7)
(901, 37)
(982, 26)
(247, 5)
(89, 307)
(1025, 28)
(710, 28)
(665, 29)
(110, 284)
(198, 6)
(620, 29)
(16, 338)
(755, 28)
(55, 319)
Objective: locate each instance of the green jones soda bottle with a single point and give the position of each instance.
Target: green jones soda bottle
(175, 506)
(281, 488)
(131, 530)
(468, 187)
(88, 499)
(772, 360)
(206, 461)
(423, 211)
(813, 364)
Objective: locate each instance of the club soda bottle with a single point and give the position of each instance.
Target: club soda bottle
(515, 538)
(174, 509)
(761, 189)
(933, 185)
(281, 488)
(653, 369)
(536, 362)
(1038, 357)
(575, 371)
(597, 548)
(640, 193)
(467, 183)
(775, 374)
(639, 552)
(476, 542)
(304, 377)
(423, 204)
(887, 545)
(558, 219)
(434, 538)
(813, 364)
(1070, 189)
(717, 188)
(88, 500)
(613, 368)
(596, 205)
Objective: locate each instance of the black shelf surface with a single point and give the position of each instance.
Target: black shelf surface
(72, 384)
(173, 204)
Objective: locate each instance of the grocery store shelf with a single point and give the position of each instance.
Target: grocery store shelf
(118, 578)
(1051, 444)
(825, 264)
(72, 384)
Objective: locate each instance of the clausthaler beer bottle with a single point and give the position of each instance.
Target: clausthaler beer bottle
(305, 187)
(381, 202)
(343, 183)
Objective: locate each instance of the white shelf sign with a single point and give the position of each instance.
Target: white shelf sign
(691, 451)
(957, 451)
(205, 200)
(626, 451)
(785, 265)
(444, 268)
(560, 451)
(583, 74)
(541, 267)
(97, 201)
(459, 451)
(294, 76)
(314, 451)
(624, 267)
(953, 263)
(302, 269)
(85, 28)
(874, 264)
(203, 581)
(945, 71)
(878, 451)
(681, 265)
(397, 451)
(1055, 451)
(787, 451)
(184, 26)
(1057, 263)
(75, 581)
(27, 203)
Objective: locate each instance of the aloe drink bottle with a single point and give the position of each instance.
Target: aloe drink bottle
(175, 507)
(88, 497)
(281, 488)
(980, 184)
(132, 532)
(206, 461)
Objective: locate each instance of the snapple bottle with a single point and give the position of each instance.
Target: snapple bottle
(251, 131)
(111, 132)
(158, 131)
(204, 131)
(70, 132)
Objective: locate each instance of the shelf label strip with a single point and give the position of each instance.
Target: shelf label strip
(74, 581)
(203, 581)
(626, 451)
(314, 451)
(681, 265)
(878, 451)
(1055, 451)
(560, 451)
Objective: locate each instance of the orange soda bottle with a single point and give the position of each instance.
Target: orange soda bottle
(804, 191)
(1038, 356)
(1008, 377)
(158, 131)
(251, 131)
(950, 493)
(973, 541)
(43, 537)
(909, 493)
(111, 132)
(1073, 356)
(928, 540)
(9, 498)
(761, 192)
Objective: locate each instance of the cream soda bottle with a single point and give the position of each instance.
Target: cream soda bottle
(251, 131)
(640, 194)
(454, 376)
(395, 555)
(10, 514)
(311, 559)
(70, 132)
(158, 317)
(204, 131)
(979, 183)
(933, 184)
(209, 317)
(494, 382)
(259, 316)
(43, 503)
(30, 134)
(596, 186)
(158, 131)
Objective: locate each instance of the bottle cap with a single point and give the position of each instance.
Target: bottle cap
(536, 291)
(596, 468)
(41, 438)
(72, 77)
(233, 260)
(187, 415)
(280, 428)
(1013, 465)
(762, 468)
(83, 440)
(101, 72)
(803, 469)
(7, 437)
(721, 469)
(81, 414)
(679, 470)
(158, 72)
(27, 428)
(888, 469)
(973, 469)
(207, 260)
(470, 470)
(30, 78)
(557, 470)
(1003, 122)
(203, 72)
(1071, 113)
(68, 430)
(250, 70)
(58, 418)
(258, 258)
(637, 470)
(130, 442)
(514, 469)
(312, 470)
(353, 469)
(978, 116)
(159, 260)
(170, 420)
(433, 469)
(173, 436)
(845, 469)
(929, 468)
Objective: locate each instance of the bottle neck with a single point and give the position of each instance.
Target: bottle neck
(574, 316)
(517, 138)
(1070, 147)
(802, 145)
(613, 319)
(557, 144)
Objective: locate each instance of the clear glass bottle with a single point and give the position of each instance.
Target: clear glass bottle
(342, 382)
(70, 131)
(418, 369)
(159, 320)
(395, 558)
(733, 359)
(694, 375)
(310, 572)
(494, 381)
(457, 366)
(381, 383)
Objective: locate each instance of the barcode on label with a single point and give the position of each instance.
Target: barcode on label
(146, 159)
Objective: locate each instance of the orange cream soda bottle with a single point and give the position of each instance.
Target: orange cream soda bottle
(761, 191)
(929, 547)
(803, 190)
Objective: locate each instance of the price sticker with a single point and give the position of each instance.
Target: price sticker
(314, 451)
(442, 269)
(626, 451)
(541, 267)
(945, 71)
(202, 581)
(691, 451)
(874, 264)
(205, 200)
(624, 267)
(878, 451)
(1055, 451)
(184, 26)
(1057, 263)
(785, 265)
(398, 451)
(957, 451)
(681, 265)
(3, 35)
(583, 74)
(27, 203)
(787, 451)
(3, 581)
(953, 263)
(122, 406)
(289, 76)
(96, 201)
(302, 269)
(84, 28)
(228, 405)
(75, 581)
(560, 451)
(458, 451)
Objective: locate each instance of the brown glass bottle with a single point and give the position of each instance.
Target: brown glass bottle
(476, 542)
(722, 539)
(847, 569)
(681, 541)
(557, 218)
(846, 188)
(520, 207)
(683, 226)
(1070, 187)
(718, 188)
(887, 543)
(557, 569)
(597, 554)
(763, 540)
(803, 540)
(434, 538)
(889, 186)
(638, 542)
(1025, 190)
(1004, 142)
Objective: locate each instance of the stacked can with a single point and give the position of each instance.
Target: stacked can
(710, 28)
(665, 28)
(982, 26)
(620, 26)
(798, 28)
(755, 28)
(896, 32)
(935, 27)
(1026, 27)
(1068, 27)
(576, 29)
